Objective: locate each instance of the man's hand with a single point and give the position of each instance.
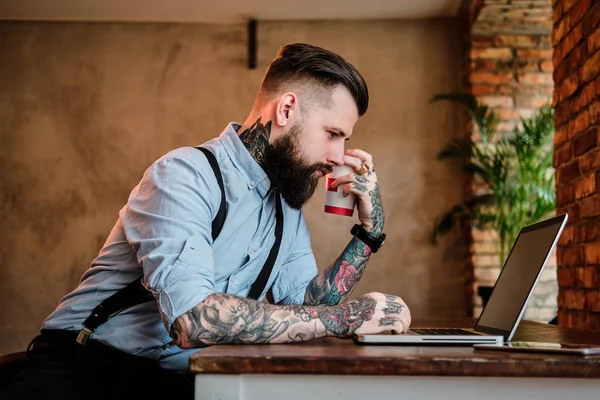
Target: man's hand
(366, 189)
(391, 313)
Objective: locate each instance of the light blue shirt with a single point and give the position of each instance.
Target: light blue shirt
(165, 230)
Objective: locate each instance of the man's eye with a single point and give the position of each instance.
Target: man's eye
(332, 134)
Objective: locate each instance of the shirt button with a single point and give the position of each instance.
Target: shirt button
(252, 183)
(264, 181)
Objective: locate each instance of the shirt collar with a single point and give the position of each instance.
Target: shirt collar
(256, 177)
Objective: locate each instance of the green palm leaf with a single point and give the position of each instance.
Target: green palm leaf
(518, 172)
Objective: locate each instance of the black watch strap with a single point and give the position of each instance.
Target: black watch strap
(373, 242)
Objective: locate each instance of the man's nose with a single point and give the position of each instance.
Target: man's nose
(336, 155)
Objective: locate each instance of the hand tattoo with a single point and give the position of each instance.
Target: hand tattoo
(385, 321)
(345, 319)
(392, 306)
(360, 188)
(222, 318)
(361, 179)
(256, 140)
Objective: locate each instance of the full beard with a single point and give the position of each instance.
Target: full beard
(290, 175)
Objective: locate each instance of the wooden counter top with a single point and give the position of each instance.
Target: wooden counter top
(344, 357)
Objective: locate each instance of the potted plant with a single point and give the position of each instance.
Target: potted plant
(516, 173)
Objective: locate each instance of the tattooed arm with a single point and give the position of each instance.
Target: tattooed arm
(335, 284)
(225, 319)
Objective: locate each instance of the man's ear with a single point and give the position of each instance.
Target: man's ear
(286, 108)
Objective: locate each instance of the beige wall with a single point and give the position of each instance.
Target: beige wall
(86, 107)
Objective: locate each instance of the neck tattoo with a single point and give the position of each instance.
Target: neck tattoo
(256, 140)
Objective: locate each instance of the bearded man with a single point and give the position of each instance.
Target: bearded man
(210, 233)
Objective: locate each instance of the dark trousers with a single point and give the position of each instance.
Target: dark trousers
(59, 368)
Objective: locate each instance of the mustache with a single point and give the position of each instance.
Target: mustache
(324, 168)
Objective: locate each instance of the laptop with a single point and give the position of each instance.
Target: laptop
(501, 316)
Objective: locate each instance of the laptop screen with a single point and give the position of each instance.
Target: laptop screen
(519, 275)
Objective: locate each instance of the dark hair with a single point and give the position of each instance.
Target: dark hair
(303, 62)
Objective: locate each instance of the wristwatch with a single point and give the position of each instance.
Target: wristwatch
(373, 242)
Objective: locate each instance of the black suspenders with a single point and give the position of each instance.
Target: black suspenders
(135, 293)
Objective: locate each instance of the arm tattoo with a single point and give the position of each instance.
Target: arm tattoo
(256, 140)
(335, 284)
(377, 214)
(226, 319)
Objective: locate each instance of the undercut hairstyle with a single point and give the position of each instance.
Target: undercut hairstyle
(315, 72)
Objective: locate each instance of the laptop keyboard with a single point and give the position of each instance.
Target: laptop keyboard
(442, 331)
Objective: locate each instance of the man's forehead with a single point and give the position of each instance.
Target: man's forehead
(339, 114)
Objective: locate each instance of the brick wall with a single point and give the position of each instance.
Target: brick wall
(510, 69)
(576, 42)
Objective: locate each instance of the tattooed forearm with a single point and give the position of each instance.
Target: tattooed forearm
(256, 139)
(222, 318)
(377, 214)
(335, 284)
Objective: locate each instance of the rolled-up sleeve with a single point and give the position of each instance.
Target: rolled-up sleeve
(167, 221)
(299, 268)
